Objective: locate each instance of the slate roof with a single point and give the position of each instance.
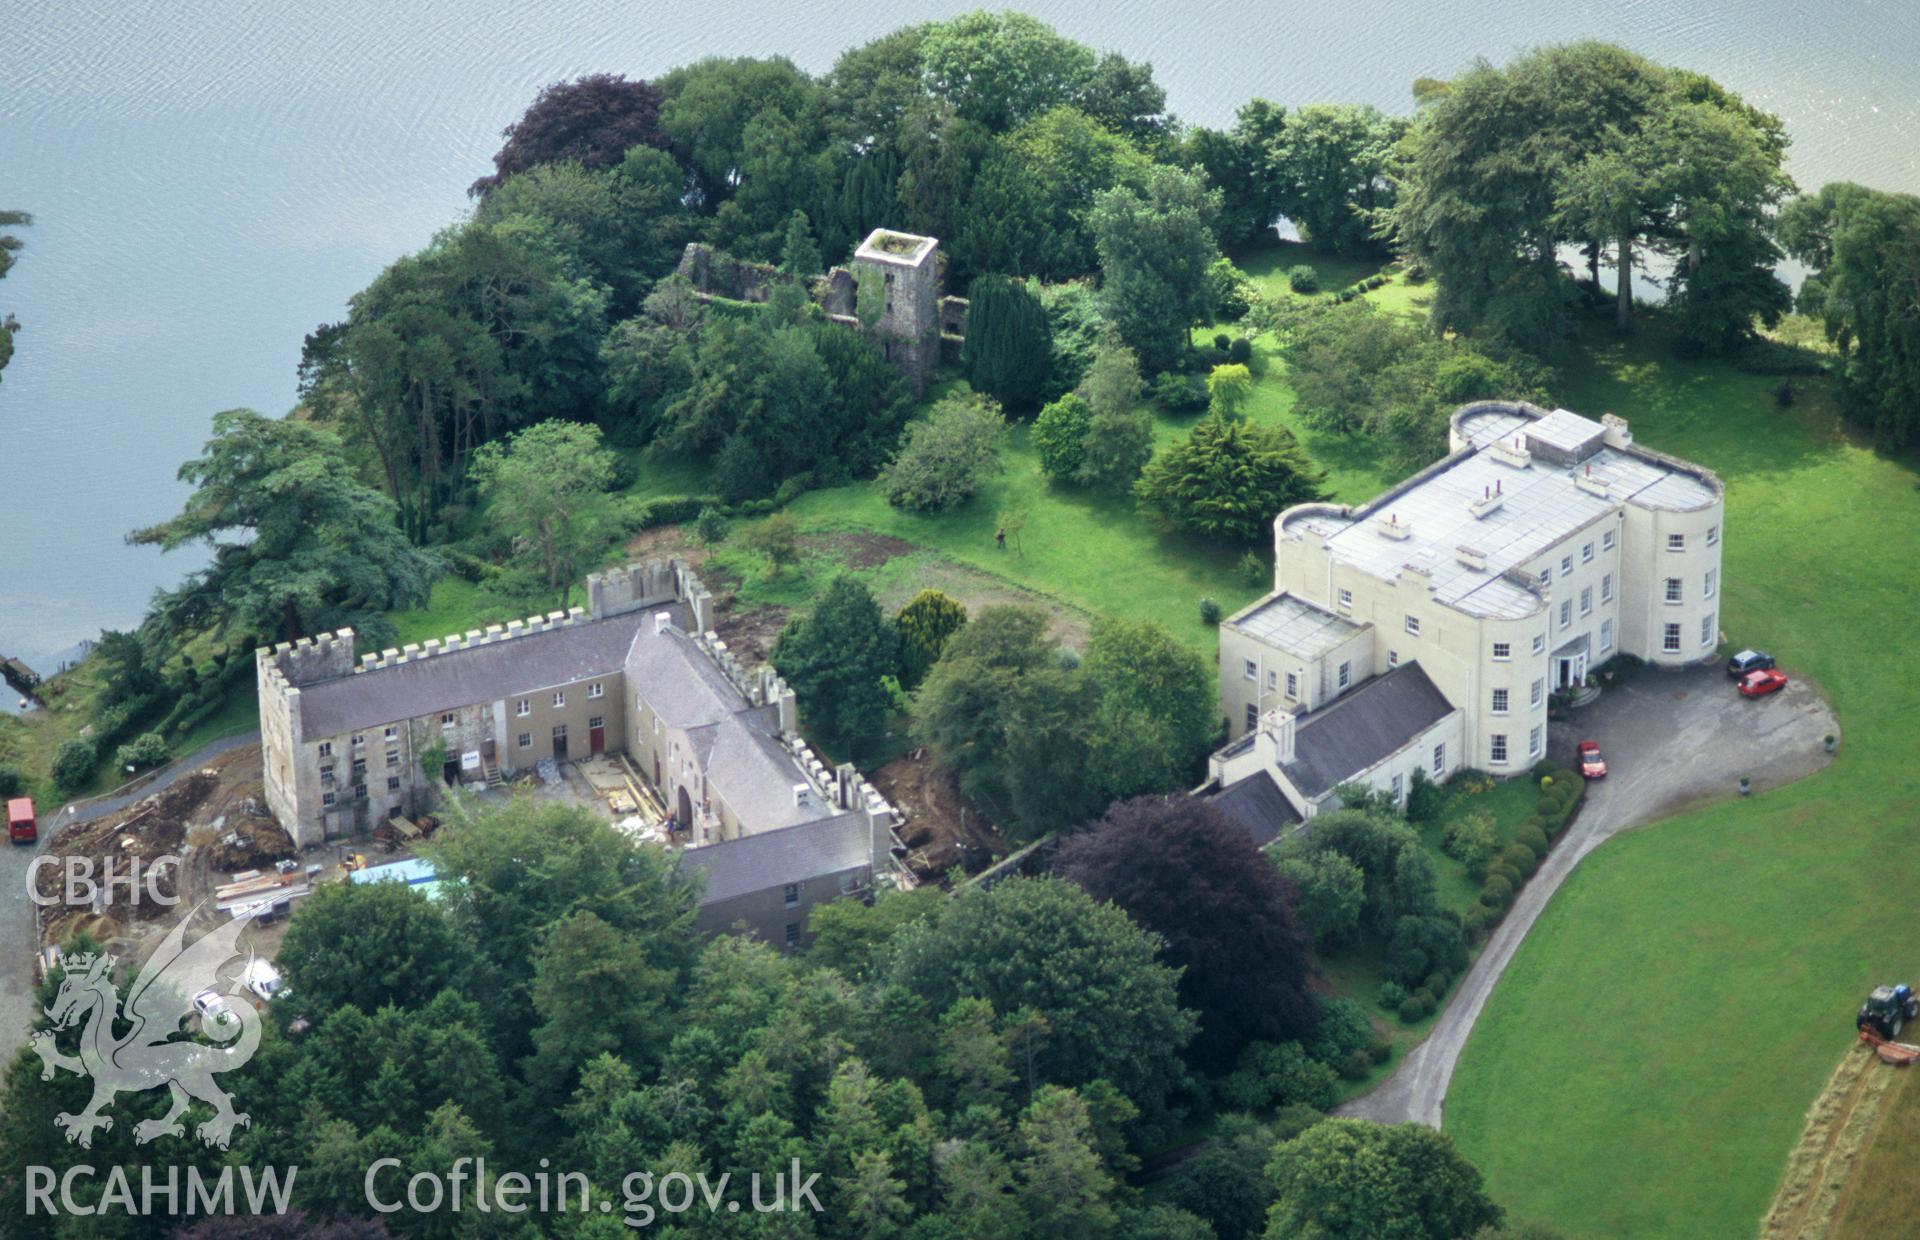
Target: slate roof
(505, 667)
(1257, 804)
(788, 855)
(1339, 741)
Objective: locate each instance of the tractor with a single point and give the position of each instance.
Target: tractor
(1887, 1009)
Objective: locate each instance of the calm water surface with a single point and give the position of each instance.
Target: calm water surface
(211, 180)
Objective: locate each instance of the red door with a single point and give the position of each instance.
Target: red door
(596, 734)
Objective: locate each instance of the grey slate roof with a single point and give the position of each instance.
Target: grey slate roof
(679, 680)
(1257, 804)
(1339, 741)
(789, 855)
(502, 668)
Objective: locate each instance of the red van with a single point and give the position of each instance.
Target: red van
(21, 828)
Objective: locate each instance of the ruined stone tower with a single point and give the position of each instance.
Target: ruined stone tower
(901, 273)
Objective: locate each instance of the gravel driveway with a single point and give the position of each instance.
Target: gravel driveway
(1672, 740)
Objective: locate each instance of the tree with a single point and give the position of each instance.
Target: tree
(370, 945)
(1330, 169)
(1029, 211)
(708, 110)
(944, 456)
(596, 990)
(74, 763)
(527, 865)
(852, 938)
(1063, 1183)
(9, 246)
(299, 545)
(834, 657)
(1229, 388)
(592, 121)
(1864, 248)
(1355, 368)
(1355, 1178)
(1008, 347)
(1589, 144)
(1157, 710)
(1184, 870)
(1155, 246)
(926, 623)
(1060, 437)
(777, 538)
(547, 485)
(1110, 1006)
(799, 257)
(1000, 69)
(961, 710)
(1332, 893)
(1112, 383)
(1228, 480)
(1226, 1182)
(1118, 445)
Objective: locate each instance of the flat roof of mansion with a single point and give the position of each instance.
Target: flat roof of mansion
(1540, 504)
(1294, 624)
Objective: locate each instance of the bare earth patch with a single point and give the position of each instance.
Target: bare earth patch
(941, 830)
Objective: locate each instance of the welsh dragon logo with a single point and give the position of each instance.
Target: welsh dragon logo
(150, 1054)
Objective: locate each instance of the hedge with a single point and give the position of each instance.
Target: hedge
(675, 509)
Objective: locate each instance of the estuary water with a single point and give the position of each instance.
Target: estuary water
(213, 178)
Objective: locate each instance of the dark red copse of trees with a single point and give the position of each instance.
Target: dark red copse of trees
(593, 122)
(1181, 868)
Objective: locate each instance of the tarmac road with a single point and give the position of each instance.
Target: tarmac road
(1672, 740)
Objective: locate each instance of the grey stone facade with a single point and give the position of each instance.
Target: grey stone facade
(348, 741)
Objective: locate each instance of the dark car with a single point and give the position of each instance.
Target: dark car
(1741, 665)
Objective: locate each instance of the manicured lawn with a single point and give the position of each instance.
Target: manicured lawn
(1644, 1066)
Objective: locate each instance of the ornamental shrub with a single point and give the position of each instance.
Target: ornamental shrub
(1436, 983)
(1380, 1050)
(73, 763)
(1392, 995)
(1209, 611)
(1533, 837)
(1303, 279)
(1507, 872)
(1521, 858)
(145, 750)
(1179, 394)
(1240, 352)
(1343, 1029)
(1356, 1066)
(1060, 436)
(1496, 892)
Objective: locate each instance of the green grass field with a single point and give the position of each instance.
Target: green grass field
(1644, 1066)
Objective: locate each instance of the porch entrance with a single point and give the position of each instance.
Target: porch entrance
(1570, 665)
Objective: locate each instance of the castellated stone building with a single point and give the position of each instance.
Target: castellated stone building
(346, 737)
(1426, 629)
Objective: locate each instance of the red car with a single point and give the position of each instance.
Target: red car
(1592, 765)
(1759, 684)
